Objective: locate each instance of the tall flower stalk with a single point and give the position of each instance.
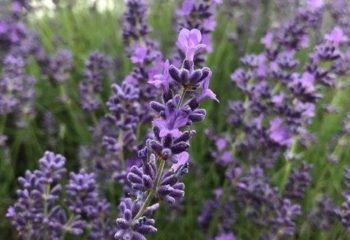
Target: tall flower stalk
(164, 157)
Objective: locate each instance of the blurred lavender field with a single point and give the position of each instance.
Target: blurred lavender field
(181, 119)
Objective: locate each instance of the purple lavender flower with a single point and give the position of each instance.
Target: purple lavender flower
(167, 145)
(36, 210)
(83, 200)
(283, 225)
(208, 213)
(59, 66)
(129, 104)
(132, 226)
(298, 182)
(324, 215)
(279, 134)
(12, 84)
(38, 214)
(199, 15)
(225, 236)
(91, 86)
(190, 42)
(82, 194)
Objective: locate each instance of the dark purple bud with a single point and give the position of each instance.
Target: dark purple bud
(179, 147)
(174, 73)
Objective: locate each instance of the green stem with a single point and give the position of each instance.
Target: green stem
(159, 173)
(145, 204)
(152, 192)
(66, 226)
(288, 166)
(183, 93)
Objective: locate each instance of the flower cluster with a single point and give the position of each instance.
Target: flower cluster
(38, 213)
(199, 15)
(58, 66)
(17, 42)
(91, 86)
(281, 96)
(164, 158)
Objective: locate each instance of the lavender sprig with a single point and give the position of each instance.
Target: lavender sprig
(91, 86)
(164, 156)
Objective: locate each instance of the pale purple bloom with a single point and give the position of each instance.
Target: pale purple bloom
(161, 79)
(279, 133)
(206, 92)
(225, 236)
(267, 40)
(139, 55)
(226, 158)
(221, 143)
(189, 41)
(181, 160)
(186, 8)
(336, 36)
(314, 5)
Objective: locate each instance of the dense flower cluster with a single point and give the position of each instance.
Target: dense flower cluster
(59, 66)
(38, 213)
(91, 86)
(280, 101)
(17, 42)
(164, 158)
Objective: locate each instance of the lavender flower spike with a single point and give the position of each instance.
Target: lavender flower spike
(164, 158)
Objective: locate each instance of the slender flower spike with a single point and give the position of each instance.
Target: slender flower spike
(280, 134)
(164, 156)
(189, 42)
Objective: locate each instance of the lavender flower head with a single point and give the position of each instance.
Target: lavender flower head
(164, 158)
(58, 67)
(90, 88)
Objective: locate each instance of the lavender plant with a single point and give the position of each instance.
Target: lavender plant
(43, 211)
(91, 87)
(164, 157)
(270, 123)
